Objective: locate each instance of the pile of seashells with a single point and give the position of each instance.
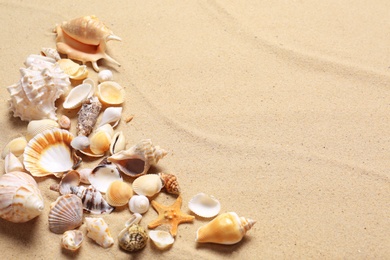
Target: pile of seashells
(49, 148)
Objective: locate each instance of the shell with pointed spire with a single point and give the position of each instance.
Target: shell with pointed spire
(66, 213)
(137, 160)
(92, 199)
(20, 198)
(98, 230)
(227, 229)
(170, 182)
(72, 239)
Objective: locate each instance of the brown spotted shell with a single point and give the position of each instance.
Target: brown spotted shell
(133, 238)
(170, 183)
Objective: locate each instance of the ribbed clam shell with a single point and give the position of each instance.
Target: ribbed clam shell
(92, 199)
(35, 127)
(133, 238)
(204, 205)
(100, 142)
(111, 93)
(15, 146)
(72, 239)
(50, 153)
(98, 230)
(161, 239)
(103, 175)
(139, 204)
(118, 193)
(66, 213)
(77, 96)
(170, 182)
(20, 198)
(147, 185)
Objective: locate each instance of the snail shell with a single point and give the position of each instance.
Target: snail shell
(133, 238)
(92, 199)
(139, 204)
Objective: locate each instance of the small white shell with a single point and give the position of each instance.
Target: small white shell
(139, 204)
(102, 176)
(12, 164)
(38, 126)
(71, 240)
(118, 143)
(84, 175)
(80, 142)
(15, 146)
(105, 75)
(162, 239)
(77, 96)
(204, 205)
(51, 53)
(111, 115)
(111, 93)
(148, 185)
(98, 230)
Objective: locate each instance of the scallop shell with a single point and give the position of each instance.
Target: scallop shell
(20, 198)
(35, 127)
(111, 93)
(50, 153)
(137, 160)
(139, 204)
(72, 239)
(64, 122)
(92, 199)
(111, 115)
(161, 239)
(84, 39)
(170, 182)
(147, 185)
(118, 193)
(105, 75)
(12, 164)
(15, 146)
(71, 179)
(88, 115)
(66, 213)
(51, 53)
(77, 96)
(118, 143)
(98, 230)
(133, 238)
(102, 176)
(227, 229)
(204, 205)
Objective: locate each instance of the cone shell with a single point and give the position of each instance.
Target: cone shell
(50, 153)
(66, 213)
(161, 239)
(88, 115)
(92, 199)
(227, 229)
(170, 182)
(72, 239)
(147, 185)
(139, 204)
(98, 230)
(35, 127)
(111, 93)
(118, 193)
(15, 146)
(20, 198)
(133, 238)
(137, 160)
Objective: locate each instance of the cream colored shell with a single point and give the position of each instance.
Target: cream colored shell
(78, 95)
(72, 239)
(111, 93)
(98, 231)
(35, 127)
(15, 146)
(139, 204)
(161, 239)
(147, 185)
(118, 193)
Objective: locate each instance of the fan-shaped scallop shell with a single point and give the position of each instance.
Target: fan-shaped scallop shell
(20, 198)
(137, 160)
(133, 238)
(92, 199)
(111, 93)
(204, 205)
(118, 193)
(147, 185)
(98, 230)
(170, 182)
(50, 153)
(72, 239)
(66, 213)
(35, 127)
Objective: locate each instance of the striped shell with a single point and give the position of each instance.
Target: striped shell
(92, 199)
(66, 213)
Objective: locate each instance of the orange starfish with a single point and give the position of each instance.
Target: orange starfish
(170, 215)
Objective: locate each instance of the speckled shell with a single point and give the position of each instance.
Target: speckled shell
(66, 213)
(72, 239)
(133, 238)
(170, 182)
(20, 198)
(98, 230)
(88, 115)
(92, 199)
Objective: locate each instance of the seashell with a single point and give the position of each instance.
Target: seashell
(137, 160)
(204, 205)
(64, 122)
(73, 69)
(72, 239)
(112, 115)
(50, 153)
(35, 127)
(147, 185)
(80, 142)
(15, 146)
(84, 39)
(102, 176)
(170, 183)
(77, 96)
(98, 230)
(133, 238)
(12, 164)
(139, 204)
(88, 115)
(118, 143)
(135, 219)
(92, 199)
(100, 140)
(161, 239)
(20, 198)
(105, 75)
(66, 213)
(89, 81)
(40, 85)
(84, 175)
(118, 193)
(227, 229)
(111, 93)
(51, 53)
(71, 179)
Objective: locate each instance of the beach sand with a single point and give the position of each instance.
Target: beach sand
(280, 109)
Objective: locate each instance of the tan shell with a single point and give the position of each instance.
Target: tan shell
(147, 185)
(118, 193)
(72, 239)
(64, 122)
(15, 146)
(98, 230)
(170, 182)
(133, 238)
(12, 164)
(137, 160)
(161, 239)
(66, 213)
(111, 93)
(35, 127)
(100, 140)
(73, 69)
(20, 198)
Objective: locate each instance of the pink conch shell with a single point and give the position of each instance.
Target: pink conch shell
(84, 39)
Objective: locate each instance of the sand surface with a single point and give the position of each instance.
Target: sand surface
(280, 109)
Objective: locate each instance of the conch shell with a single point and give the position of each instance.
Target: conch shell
(20, 198)
(92, 199)
(228, 228)
(137, 160)
(84, 39)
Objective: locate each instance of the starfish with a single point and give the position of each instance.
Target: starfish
(170, 215)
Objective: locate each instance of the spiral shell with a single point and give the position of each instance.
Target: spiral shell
(20, 198)
(92, 200)
(139, 204)
(72, 239)
(171, 184)
(105, 75)
(133, 238)
(98, 230)
(66, 213)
